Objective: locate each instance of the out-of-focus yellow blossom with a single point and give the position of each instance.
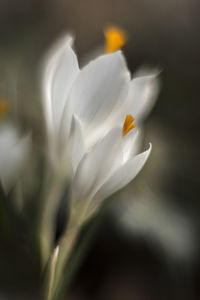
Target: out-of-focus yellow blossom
(4, 107)
(115, 38)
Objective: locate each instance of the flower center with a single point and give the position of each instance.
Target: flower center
(115, 38)
(128, 125)
(4, 107)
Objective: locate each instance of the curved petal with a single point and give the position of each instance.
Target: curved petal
(76, 144)
(13, 155)
(97, 166)
(121, 177)
(59, 71)
(100, 88)
(130, 144)
(142, 96)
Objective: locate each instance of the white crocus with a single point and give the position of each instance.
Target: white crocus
(85, 112)
(14, 151)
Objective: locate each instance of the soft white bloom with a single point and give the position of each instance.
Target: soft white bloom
(14, 151)
(160, 222)
(85, 112)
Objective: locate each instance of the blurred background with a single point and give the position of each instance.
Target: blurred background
(147, 246)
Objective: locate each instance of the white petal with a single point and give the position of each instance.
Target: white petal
(142, 96)
(96, 166)
(8, 139)
(76, 145)
(91, 55)
(130, 144)
(100, 89)
(60, 70)
(12, 158)
(121, 177)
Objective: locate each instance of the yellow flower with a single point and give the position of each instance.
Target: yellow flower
(4, 107)
(115, 39)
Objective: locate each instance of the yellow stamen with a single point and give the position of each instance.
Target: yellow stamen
(4, 107)
(128, 125)
(115, 38)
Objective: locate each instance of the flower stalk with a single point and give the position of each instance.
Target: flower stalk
(50, 275)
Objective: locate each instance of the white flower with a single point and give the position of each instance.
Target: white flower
(161, 222)
(85, 112)
(14, 151)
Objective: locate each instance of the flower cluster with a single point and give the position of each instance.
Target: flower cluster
(86, 111)
(92, 117)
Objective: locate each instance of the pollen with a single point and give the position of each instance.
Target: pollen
(128, 125)
(115, 39)
(4, 107)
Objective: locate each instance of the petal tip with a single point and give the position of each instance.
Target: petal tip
(148, 151)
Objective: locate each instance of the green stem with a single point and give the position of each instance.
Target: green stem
(72, 263)
(51, 274)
